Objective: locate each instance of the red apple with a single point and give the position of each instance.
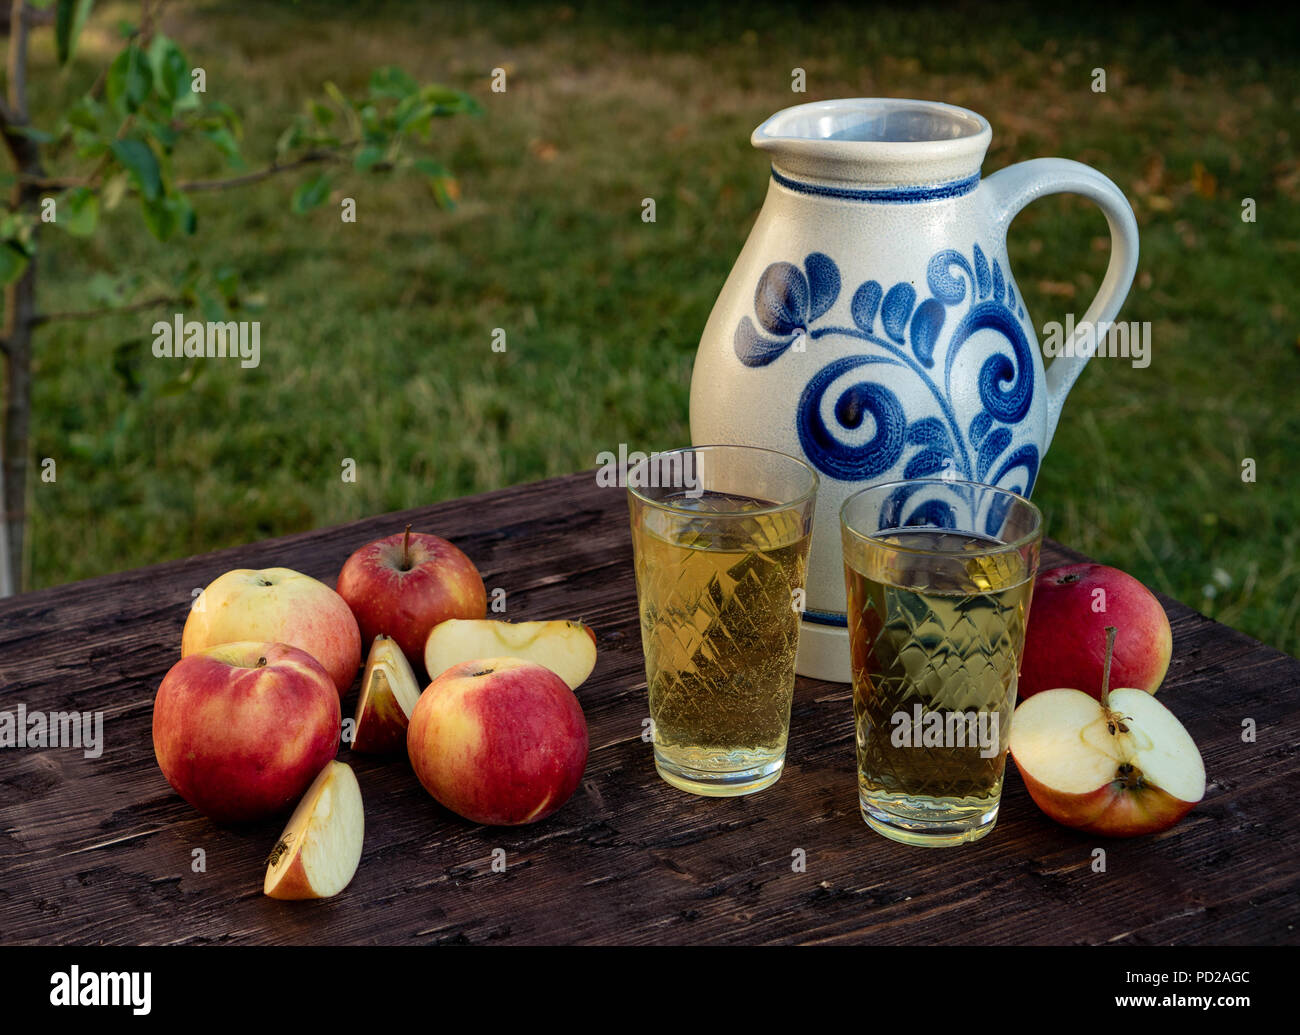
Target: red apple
(1065, 635)
(406, 584)
(277, 605)
(499, 741)
(1119, 766)
(241, 729)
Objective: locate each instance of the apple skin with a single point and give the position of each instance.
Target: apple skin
(437, 583)
(1110, 811)
(498, 741)
(278, 605)
(1065, 638)
(240, 741)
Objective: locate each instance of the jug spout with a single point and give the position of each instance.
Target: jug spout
(880, 144)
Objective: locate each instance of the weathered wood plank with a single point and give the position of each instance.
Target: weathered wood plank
(99, 850)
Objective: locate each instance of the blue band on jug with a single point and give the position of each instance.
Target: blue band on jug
(886, 195)
(826, 618)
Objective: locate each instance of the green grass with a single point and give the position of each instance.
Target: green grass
(376, 337)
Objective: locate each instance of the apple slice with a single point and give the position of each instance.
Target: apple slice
(567, 648)
(1119, 766)
(319, 850)
(389, 693)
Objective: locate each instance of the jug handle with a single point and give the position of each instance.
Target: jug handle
(1014, 187)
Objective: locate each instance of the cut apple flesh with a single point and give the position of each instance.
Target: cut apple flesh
(1063, 739)
(567, 648)
(320, 848)
(389, 693)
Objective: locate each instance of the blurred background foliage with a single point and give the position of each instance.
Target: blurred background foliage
(376, 335)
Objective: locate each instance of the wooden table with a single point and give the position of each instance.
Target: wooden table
(101, 850)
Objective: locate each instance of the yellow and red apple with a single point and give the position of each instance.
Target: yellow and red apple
(1065, 634)
(278, 605)
(404, 585)
(1117, 766)
(499, 741)
(567, 648)
(241, 729)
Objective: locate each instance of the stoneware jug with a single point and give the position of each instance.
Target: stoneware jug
(871, 323)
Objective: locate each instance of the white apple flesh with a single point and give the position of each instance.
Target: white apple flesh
(567, 648)
(1120, 766)
(389, 694)
(320, 848)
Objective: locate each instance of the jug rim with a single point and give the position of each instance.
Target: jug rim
(875, 142)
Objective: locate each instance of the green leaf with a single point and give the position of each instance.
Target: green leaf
(129, 80)
(446, 192)
(170, 68)
(80, 212)
(447, 101)
(311, 193)
(322, 113)
(335, 94)
(68, 21)
(391, 81)
(160, 131)
(430, 168)
(85, 114)
(32, 133)
(226, 143)
(368, 157)
(412, 114)
(138, 159)
(114, 191)
(228, 117)
(164, 216)
(227, 281)
(13, 260)
(212, 306)
(289, 139)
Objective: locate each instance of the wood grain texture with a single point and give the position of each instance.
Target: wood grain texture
(99, 850)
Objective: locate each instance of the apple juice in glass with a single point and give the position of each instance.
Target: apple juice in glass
(939, 575)
(721, 550)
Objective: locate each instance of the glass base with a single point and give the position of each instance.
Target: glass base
(720, 782)
(928, 822)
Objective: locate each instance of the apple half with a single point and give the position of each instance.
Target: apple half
(320, 849)
(1120, 766)
(567, 648)
(389, 693)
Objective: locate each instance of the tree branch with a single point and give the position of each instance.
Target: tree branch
(94, 314)
(276, 167)
(18, 61)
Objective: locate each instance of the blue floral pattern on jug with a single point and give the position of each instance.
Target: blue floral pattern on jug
(788, 303)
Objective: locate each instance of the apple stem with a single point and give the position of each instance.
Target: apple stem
(1105, 673)
(260, 662)
(406, 544)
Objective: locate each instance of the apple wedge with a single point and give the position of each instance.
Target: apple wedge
(389, 693)
(1120, 766)
(567, 648)
(320, 848)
